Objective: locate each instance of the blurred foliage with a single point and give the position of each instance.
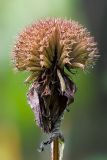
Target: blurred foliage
(19, 136)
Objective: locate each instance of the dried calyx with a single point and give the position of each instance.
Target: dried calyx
(45, 49)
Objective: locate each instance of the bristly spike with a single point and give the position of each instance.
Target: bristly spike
(34, 69)
(62, 83)
(78, 65)
(31, 77)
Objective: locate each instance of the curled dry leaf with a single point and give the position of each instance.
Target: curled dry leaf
(48, 102)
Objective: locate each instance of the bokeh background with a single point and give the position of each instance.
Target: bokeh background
(85, 126)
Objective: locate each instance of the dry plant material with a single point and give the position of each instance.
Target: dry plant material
(45, 49)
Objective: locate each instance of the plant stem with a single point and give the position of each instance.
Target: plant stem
(55, 149)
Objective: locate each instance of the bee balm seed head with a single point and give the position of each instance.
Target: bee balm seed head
(69, 42)
(44, 49)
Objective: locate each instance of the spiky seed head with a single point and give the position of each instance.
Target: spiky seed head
(44, 49)
(66, 40)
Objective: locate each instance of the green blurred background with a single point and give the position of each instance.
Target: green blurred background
(85, 127)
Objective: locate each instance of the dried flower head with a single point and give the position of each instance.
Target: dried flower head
(45, 49)
(66, 41)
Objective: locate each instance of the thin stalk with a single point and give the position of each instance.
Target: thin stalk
(55, 149)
